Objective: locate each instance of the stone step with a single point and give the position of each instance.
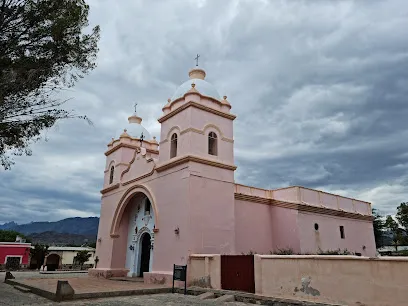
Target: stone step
(225, 298)
(206, 296)
(128, 279)
(22, 289)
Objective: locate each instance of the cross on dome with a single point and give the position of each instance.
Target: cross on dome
(196, 58)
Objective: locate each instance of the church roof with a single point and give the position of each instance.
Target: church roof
(197, 76)
(134, 128)
(203, 87)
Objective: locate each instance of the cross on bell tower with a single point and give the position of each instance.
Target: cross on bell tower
(196, 58)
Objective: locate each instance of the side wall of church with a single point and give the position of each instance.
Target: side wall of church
(253, 227)
(211, 212)
(285, 230)
(358, 234)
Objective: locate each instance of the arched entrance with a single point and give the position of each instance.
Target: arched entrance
(139, 224)
(145, 254)
(52, 262)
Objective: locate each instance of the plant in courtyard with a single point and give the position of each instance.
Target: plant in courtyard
(42, 50)
(38, 253)
(82, 257)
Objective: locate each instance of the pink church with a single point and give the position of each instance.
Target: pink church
(159, 206)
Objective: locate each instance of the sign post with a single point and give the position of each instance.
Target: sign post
(180, 274)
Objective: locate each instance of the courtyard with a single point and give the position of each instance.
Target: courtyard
(11, 296)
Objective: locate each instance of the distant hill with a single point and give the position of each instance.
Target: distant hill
(80, 226)
(53, 238)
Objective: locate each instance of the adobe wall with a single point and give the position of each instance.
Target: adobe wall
(346, 280)
(253, 227)
(358, 234)
(211, 215)
(204, 270)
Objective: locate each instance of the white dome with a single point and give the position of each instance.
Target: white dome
(135, 130)
(203, 87)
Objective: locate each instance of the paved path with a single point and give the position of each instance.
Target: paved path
(11, 296)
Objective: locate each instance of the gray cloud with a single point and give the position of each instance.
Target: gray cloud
(319, 88)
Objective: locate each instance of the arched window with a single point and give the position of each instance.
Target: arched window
(212, 143)
(147, 207)
(173, 146)
(112, 172)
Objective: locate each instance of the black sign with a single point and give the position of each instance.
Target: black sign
(180, 274)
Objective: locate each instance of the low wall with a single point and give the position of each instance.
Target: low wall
(348, 280)
(204, 270)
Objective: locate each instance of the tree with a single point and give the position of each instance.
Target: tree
(38, 253)
(378, 225)
(42, 50)
(397, 235)
(10, 236)
(402, 215)
(82, 257)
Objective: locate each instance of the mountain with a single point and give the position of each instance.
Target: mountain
(8, 226)
(79, 226)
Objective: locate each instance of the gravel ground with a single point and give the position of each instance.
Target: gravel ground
(11, 296)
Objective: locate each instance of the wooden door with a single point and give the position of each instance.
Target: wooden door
(237, 273)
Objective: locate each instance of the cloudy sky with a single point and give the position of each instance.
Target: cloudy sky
(319, 87)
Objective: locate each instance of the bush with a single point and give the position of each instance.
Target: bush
(335, 252)
(287, 251)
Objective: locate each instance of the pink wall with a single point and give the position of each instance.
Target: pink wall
(285, 231)
(358, 233)
(253, 227)
(171, 192)
(211, 216)
(15, 249)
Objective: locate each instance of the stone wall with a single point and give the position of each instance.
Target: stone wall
(346, 280)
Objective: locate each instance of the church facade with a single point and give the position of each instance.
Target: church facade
(159, 206)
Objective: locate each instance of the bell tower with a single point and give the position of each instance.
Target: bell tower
(197, 136)
(197, 122)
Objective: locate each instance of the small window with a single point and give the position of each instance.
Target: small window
(147, 206)
(212, 143)
(173, 146)
(112, 172)
(342, 232)
(316, 226)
